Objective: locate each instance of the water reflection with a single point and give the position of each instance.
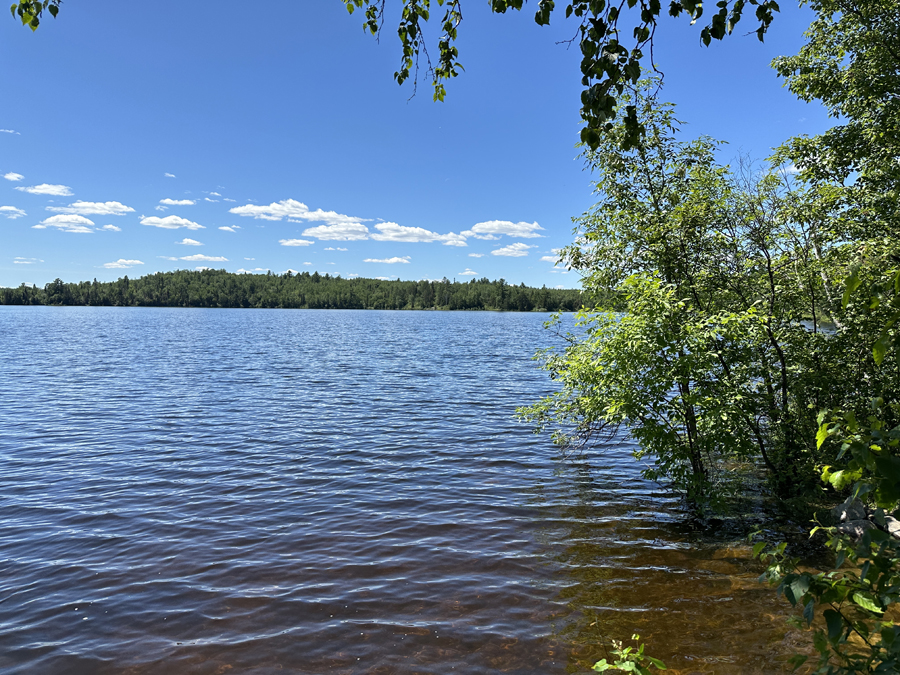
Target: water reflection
(205, 491)
(630, 565)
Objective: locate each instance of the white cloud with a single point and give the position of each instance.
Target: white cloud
(199, 257)
(67, 223)
(386, 278)
(214, 194)
(169, 175)
(161, 208)
(228, 229)
(296, 242)
(549, 258)
(516, 250)
(13, 176)
(226, 199)
(26, 261)
(111, 228)
(491, 230)
(249, 258)
(210, 200)
(454, 239)
(350, 276)
(476, 255)
(338, 232)
(177, 202)
(11, 212)
(560, 287)
(257, 269)
(47, 189)
(201, 268)
(93, 208)
(189, 242)
(337, 225)
(467, 273)
(122, 264)
(332, 248)
(390, 261)
(402, 233)
(10, 131)
(170, 222)
(307, 263)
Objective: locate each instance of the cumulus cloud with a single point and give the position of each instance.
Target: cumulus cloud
(13, 176)
(170, 222)
(189, 242)
(338, 232)
(111, 228)
(227, 228)
(295, 242)
(210, 200)
(121, 264)
(214, 194)
(467, 273)
(93, 208)
(67, 223)
(169, 175)
(332, 248)
(257, 269)
(492, 229)
(549, 258)
(295, 211)
(394, 232)
(200, 268)
(11, 212)
(516, 250)
(47, 189)
(476, 255)
(199, 257)
(390, 261)
(26, 261)
(177, 202)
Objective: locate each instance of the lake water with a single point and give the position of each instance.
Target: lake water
(256, 491)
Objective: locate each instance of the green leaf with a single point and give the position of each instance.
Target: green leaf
(821, 435)
(867, 603)
(879, 349)
(809, 611)
(850, 285)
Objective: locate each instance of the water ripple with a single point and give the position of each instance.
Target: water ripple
(325, 492)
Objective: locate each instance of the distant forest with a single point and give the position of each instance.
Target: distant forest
(218, 288)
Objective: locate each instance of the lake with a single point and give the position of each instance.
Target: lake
(256, 491)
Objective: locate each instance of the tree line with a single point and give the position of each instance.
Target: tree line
(218, 288)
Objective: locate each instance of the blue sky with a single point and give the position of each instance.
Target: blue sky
(139, 137)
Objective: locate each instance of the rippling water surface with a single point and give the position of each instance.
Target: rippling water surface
(252, 491)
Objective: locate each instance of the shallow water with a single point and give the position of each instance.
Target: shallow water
(204, 491)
